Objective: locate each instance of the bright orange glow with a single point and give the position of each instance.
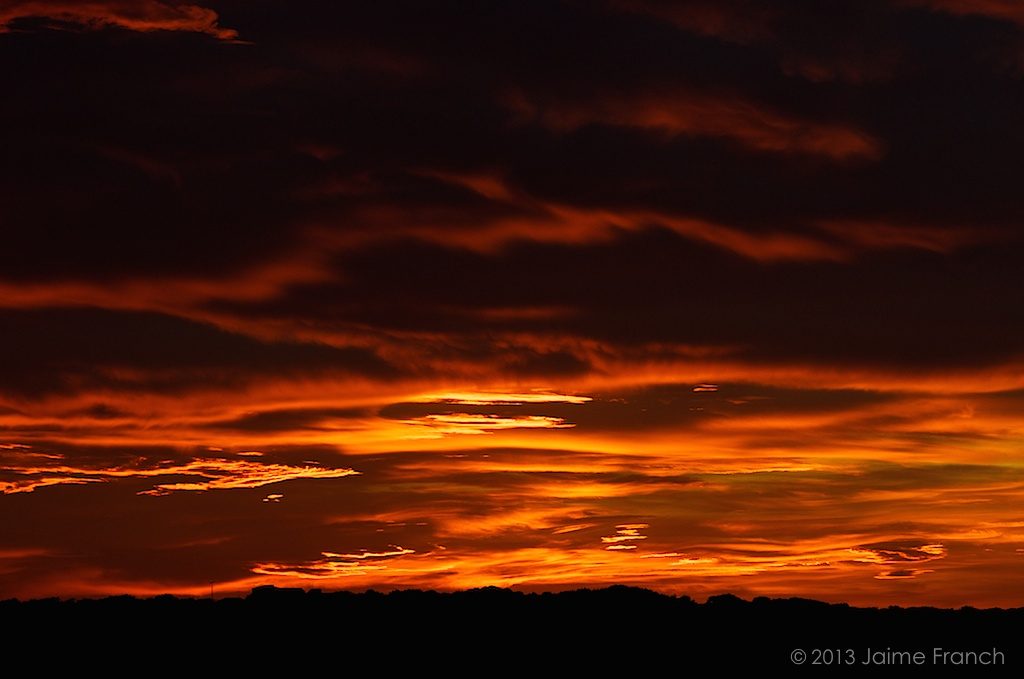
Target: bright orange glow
(498, 398)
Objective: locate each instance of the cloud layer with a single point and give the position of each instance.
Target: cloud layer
(702, 296)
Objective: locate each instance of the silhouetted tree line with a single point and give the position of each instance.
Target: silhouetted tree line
(618, 627)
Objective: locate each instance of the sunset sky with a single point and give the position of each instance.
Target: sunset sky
(707, 296)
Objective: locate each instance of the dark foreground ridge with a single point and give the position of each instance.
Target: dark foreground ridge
(613, 627)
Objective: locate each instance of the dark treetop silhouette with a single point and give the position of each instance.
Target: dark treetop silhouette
(574, 629)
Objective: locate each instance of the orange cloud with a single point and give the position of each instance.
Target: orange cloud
(333, 565)
(500, 398)
(472, 423)
(212, 474)
(553, 222)
(561, 223)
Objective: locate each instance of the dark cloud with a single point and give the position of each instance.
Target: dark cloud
(173, 152)
(904, 552)
(134, 15)
(70, 350)
(902, 308)
(288, 420)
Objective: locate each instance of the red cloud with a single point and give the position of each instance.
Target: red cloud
(710, 115)
(134, 15)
